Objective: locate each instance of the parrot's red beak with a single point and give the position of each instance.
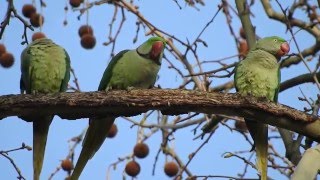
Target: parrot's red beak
(284, 49)
(156, 50)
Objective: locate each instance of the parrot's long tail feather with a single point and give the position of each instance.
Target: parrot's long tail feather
(94, 138)
(259, 133)
(40, 134)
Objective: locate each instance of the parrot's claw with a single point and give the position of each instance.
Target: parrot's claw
(34, 92)
(155, 87)
(128, 89)
(107, 89)
(264, 99)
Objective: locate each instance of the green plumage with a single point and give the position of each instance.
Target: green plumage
(45, 68)
(136, 68)
(259, 75)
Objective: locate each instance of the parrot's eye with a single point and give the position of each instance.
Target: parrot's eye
(275, 40)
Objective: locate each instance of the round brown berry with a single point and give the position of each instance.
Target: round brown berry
(112, 131)
(132, 168)
(241, 126)
(6, 60)
(85, 29)
(67, 165)
(38, 35)
(243, 48)
(36, 20)
(2, 49)
(75, 3)
(141, 150)
(242, 33)
(312, 16)
(28, 10)
(88, 41)
(171, 169)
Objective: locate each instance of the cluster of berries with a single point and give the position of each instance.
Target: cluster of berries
(29, 11)
(88, 41)
(6, 58)
(140, 150)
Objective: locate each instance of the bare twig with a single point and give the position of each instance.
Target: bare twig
(75, 81)
(5, 154)
(193, 154)
(5, 22)
(76, 141)
(113, 39)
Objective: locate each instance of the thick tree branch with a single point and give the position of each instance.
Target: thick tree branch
(304, 78)
(244, 14)
(314, 30)
(137, 101)
(171, 102)
(310, 51)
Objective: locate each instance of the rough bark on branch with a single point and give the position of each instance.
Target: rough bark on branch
(170, 102)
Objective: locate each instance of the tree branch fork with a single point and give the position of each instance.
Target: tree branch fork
(116, 103)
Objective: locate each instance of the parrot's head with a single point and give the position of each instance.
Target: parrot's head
(274, 45)
(152, 49)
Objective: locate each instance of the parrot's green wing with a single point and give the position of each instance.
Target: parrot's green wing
(235, 77)
(108, 72)
(276, 94)
(64, 83)
(25, 77)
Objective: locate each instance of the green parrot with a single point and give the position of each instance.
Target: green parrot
(136, 68)
(45, 68)
(259, 75)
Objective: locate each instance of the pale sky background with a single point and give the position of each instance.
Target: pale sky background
(90, 64)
